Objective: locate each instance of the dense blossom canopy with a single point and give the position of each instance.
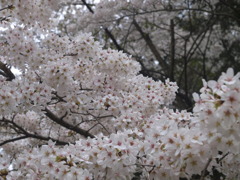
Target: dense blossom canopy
(78, 111)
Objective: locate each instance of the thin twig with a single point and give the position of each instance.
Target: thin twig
(203, 174)
(8, 7)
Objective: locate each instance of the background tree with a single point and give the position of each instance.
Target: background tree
(185, 41)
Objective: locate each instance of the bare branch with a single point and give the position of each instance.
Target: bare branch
(172, 50)
(151, 45)
(76, 3)
(61, 122)
(8, 7)
(35, 136)
(110, 35)
(6, 72)
(203, 174)
(20, 130)
(218, 161)
(88, 6)
(13, 140)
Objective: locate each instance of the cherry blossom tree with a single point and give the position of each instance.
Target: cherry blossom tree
(78, 110)
(182, 40)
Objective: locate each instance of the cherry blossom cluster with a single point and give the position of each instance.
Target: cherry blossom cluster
(30, 12)
(218, 111)
(78, 111)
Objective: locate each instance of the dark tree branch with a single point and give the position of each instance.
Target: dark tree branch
(76, 3)
(151, 45)
(172, 50)
(110, 35)
(8, 7)
(219, 160)
(185, 69)
(21, 130)
(203, 174)
(204, 73)
(200, 37)
(6, 72)
(61, 122)
(13, 140)
(88, 6)
(35, 136)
